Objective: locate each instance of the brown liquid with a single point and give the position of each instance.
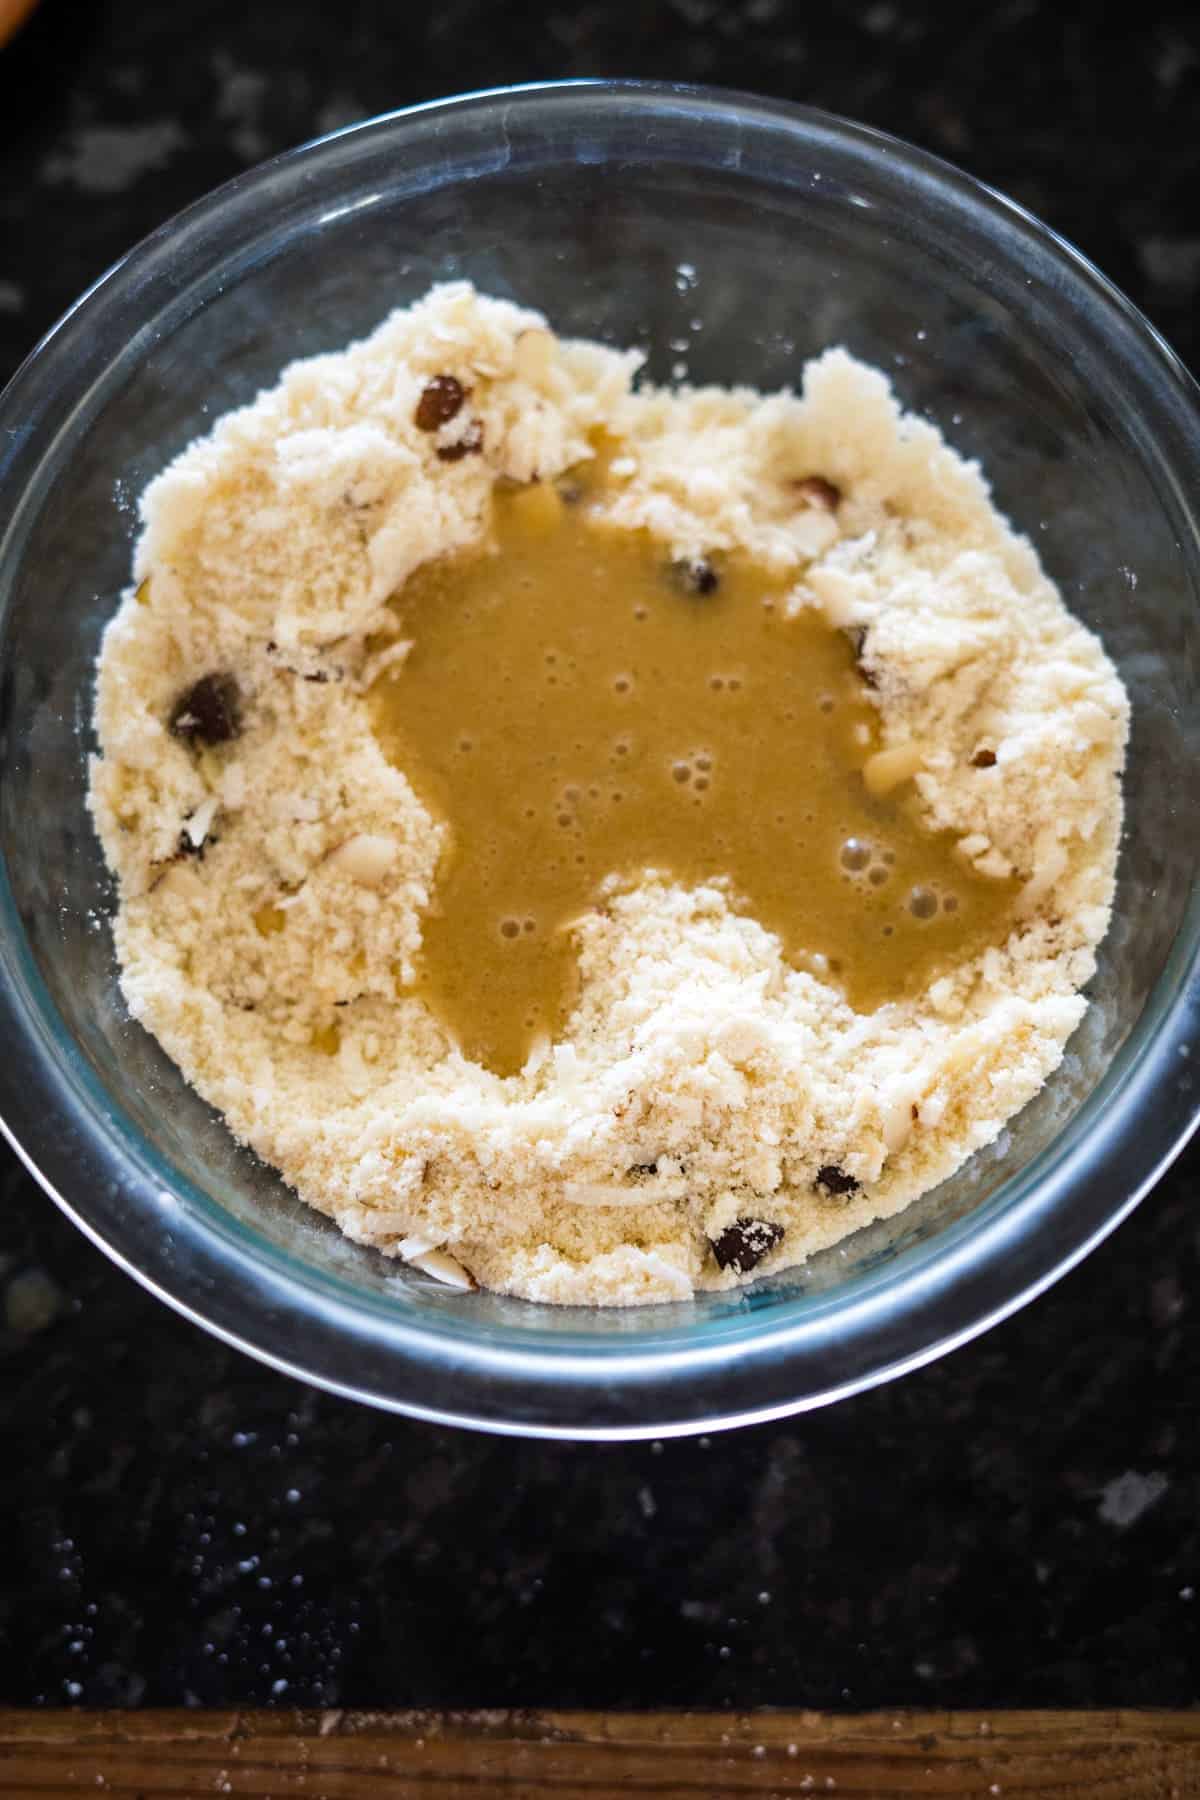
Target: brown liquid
(575, 713)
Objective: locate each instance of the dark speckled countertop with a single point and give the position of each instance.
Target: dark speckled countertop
(1017, 1525)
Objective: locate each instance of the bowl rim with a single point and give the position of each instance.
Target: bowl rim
(265, 1302)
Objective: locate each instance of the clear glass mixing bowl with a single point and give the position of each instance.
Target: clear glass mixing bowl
(737, 237)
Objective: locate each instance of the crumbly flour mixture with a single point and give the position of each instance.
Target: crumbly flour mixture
(710, 1110)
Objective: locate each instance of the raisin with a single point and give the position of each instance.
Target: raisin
(209, 712)
(984, 759)
(816, 491)
(470, 445)
(858, 637)
(695, 575)
(742, 1245)
(835, 1181)
(441, 400)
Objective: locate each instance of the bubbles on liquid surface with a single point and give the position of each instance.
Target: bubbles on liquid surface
(693, 770)
(856, 855)
(923, 903)
(511, 928)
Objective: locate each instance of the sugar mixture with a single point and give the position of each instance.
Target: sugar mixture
(598, 842)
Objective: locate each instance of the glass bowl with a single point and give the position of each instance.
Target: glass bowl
(737, 237)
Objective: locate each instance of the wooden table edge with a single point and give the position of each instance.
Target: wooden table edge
(345, 1754)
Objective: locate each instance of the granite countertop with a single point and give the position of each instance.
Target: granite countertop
(183, 1527)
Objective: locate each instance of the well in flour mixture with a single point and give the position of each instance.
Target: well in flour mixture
(598, 841)
(579, 710)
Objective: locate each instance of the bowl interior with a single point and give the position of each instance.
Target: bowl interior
(731, 246)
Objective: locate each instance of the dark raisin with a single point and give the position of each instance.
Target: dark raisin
(695, 575)
(858, 637)
(742, 1245)
(441, 399)
(835, 1181)
(984, 759)
(470, 445)
(209, 712)
(816, 491)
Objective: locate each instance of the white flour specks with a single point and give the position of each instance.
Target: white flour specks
(105, 159)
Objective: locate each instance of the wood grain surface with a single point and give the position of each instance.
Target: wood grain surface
(591, 1756)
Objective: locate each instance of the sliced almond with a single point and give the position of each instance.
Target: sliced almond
(888, 768)
(366, 857)
(1050, 863)
(383, 662)
(603, 1193)
(419, 1243)
(996, 866)
(198, 824)
(444, 1268)
(533, 354)
(897, 1103)
(839, 594)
